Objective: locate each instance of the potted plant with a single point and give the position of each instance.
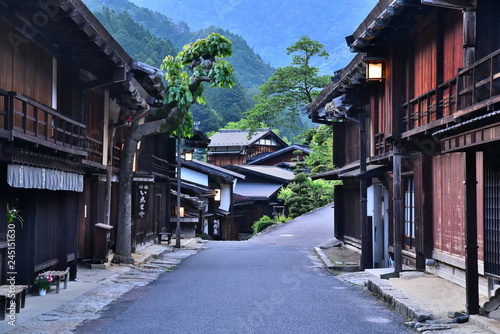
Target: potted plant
(42, 283)
(12, 215)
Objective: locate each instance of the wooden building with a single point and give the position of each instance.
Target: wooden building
(208, 200)
(257, 194)
(428, 126)
(283, 157)
(233, 147)
(63, 82)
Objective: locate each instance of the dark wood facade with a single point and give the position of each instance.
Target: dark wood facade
(232, 147)
(61, 87)
(433, 120)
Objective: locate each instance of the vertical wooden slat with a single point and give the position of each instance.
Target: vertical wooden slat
(10, 111)
(25, 114)
(35, 112)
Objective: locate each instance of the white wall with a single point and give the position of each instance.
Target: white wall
(225, 201)
(193, 176)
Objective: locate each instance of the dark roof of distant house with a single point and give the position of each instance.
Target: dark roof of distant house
(236, 137)
(268, 172)
(212, 169)
(257, 191)
(258, 159)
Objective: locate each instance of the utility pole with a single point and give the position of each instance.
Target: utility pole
(178, 229)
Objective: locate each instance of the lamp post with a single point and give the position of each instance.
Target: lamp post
(178, 229)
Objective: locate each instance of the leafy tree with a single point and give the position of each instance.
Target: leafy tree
(205, 61)
(303, 194)
(300, 202)
(321, 157)
(148, 36)
(281, 98)
(322, 192)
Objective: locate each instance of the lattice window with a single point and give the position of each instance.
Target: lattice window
(409, 212)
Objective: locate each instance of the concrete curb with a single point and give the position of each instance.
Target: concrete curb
(324, 257)
(333, 266)
(396, 300)
(487, 324)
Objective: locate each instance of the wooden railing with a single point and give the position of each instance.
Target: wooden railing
(380, 144)
(474, 88)
(480, 84)
(29, 120)
(432, 105)
(117, 151)
(94, 150)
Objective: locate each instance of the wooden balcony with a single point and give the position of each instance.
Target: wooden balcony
(26, 119)
(431, 106)
(94, 150)
(381, 146)
(474, 88)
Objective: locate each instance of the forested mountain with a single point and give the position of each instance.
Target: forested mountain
(150, 36)
(270, 26)
(137, 41)
(250, 68)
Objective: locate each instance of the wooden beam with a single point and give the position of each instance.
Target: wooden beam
(455, 4)
(408, 3)
(471, 138)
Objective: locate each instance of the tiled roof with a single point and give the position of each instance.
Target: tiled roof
(196, 164)
(274, 172)
(257, 190)
(264, 156)
(234, 137)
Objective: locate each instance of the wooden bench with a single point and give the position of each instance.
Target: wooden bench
(160, 237)
(58, 276)
(19, 291)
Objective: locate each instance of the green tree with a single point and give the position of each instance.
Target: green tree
(321, 142)
(303, 194)
(281, 98)
(300, 201)
(205, 61)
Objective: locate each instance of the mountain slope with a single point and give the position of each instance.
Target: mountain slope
(250, 68)
(270, 26)
(222, 105)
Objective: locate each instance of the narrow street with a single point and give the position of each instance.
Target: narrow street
(272, 283)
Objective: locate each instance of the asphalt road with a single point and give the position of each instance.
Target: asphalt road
(272, 283)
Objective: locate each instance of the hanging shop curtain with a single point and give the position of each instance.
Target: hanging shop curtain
(19, 176)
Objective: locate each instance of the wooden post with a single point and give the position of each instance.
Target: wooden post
(397, 207)
(366, 249)
(471, 257)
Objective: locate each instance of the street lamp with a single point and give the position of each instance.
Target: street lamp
(217, 197)
(188, 156)
(374, 68)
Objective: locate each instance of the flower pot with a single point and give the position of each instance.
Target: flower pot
(42, 292)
